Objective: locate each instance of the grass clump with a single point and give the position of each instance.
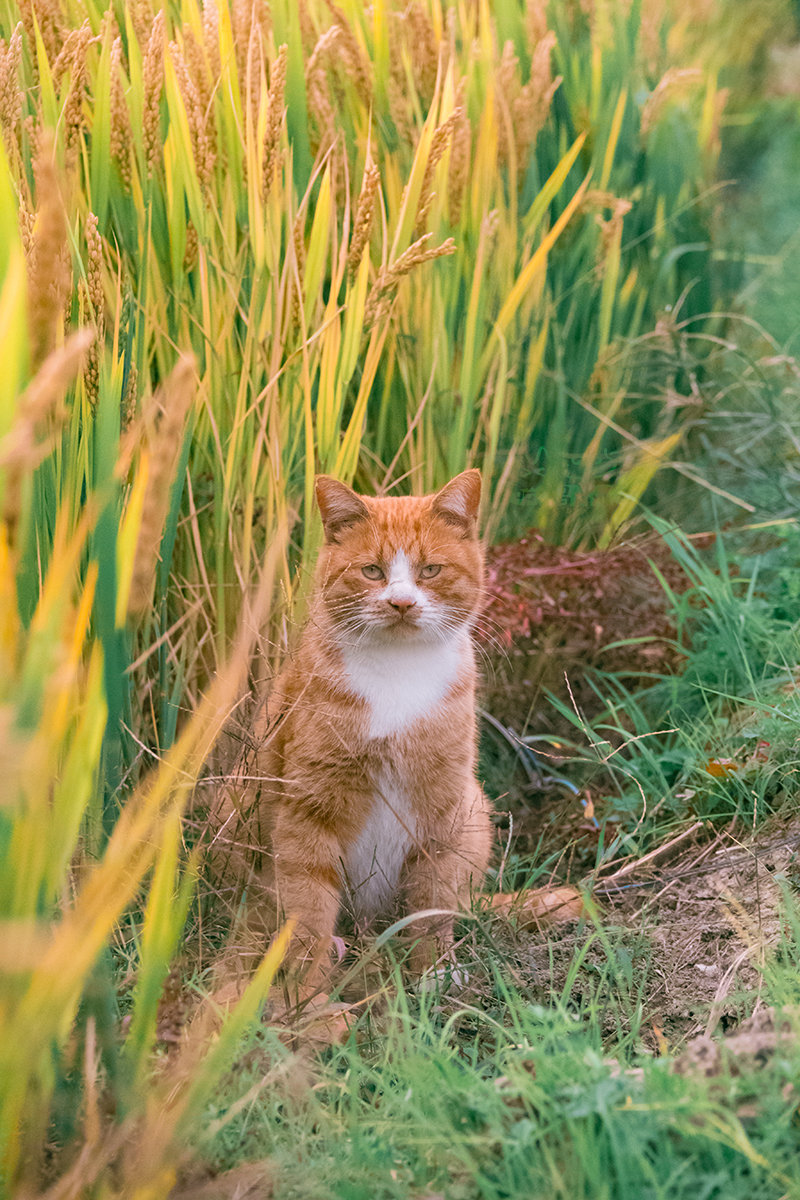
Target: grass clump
(513, 1099)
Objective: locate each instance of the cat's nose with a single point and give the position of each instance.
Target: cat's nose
(403, 605)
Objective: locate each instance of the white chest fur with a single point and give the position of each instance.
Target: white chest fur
(373, 863)
(404, 682)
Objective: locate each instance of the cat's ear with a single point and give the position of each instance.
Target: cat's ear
(458, 502)
(339, 505)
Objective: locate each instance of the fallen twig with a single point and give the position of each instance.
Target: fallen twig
(630, 867)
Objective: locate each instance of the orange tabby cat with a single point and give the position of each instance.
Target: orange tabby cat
(368, 797)
(369, 794)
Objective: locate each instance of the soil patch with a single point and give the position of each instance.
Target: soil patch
(688, 939)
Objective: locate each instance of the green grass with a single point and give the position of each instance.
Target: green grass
(514, 1097)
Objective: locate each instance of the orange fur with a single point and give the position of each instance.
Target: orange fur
(368, 798)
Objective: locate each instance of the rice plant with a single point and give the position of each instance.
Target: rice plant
(240, 244)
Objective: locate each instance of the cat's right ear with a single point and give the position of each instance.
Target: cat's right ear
(339, 505)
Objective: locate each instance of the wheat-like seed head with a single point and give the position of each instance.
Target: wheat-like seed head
(423, 48)
(418, 253)
(240, 26)
(152, 84)
(442, 136)
(165, 424)
(272, 133)
(26, 444)
(598, 202)
(299, 247)
(507, 70)
(507, 88)
(202, 148)
(10, 92)
(531, 106)
(192, 247)
(66, 53)
(93, 299)
(383, 290)
(94, 246)
(673, 82)
(120, 123)
(49, 273)
(26, 220)
(460, 151)
(356, 63)
(195, 57)
(108, 25)
(317, 89)
(129, 399)
(211, 35)
(308, 34)
(50, 21)
(535, 20)
(141, 14)
(72, 60)
(364, 214)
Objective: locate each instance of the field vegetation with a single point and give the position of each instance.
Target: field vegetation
(242, 243)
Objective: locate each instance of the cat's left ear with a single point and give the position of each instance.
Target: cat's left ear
(459, 501)
(339, 505)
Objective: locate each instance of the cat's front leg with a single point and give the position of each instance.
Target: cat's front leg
(441, 874)
(430, 933)
(308, 882)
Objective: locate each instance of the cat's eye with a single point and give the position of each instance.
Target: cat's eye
(429, 571)
(372, 571)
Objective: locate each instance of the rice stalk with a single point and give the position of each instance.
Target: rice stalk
(356, 63)
(11, 94)
(365, 211)
(319, 102)
(141, 15)
(211, 36)
(49, 272)
(675, 81)
(202, 143)
(383, 290)
(165, 430)
(274, 120)
(39, 417)
(120, 130)
(50, 20)
(249, 19)
(441, 139)
(531, 106)
(152, 85)
(424, 48)
(460, 154)
(72, 52)
(536, 20)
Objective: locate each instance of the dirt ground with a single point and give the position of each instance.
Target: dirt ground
(690, 930)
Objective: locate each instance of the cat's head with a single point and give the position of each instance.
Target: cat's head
(400, 566)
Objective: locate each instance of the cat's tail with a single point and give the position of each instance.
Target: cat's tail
(534, 908)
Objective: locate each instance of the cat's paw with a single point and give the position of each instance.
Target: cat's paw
(443, 977)
(316, 1023)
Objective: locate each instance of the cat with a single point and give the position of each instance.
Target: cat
(368, 798)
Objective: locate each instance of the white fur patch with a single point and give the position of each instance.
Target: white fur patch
(443, 978)
(400, 586)
(403, 680)
(373, 864)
